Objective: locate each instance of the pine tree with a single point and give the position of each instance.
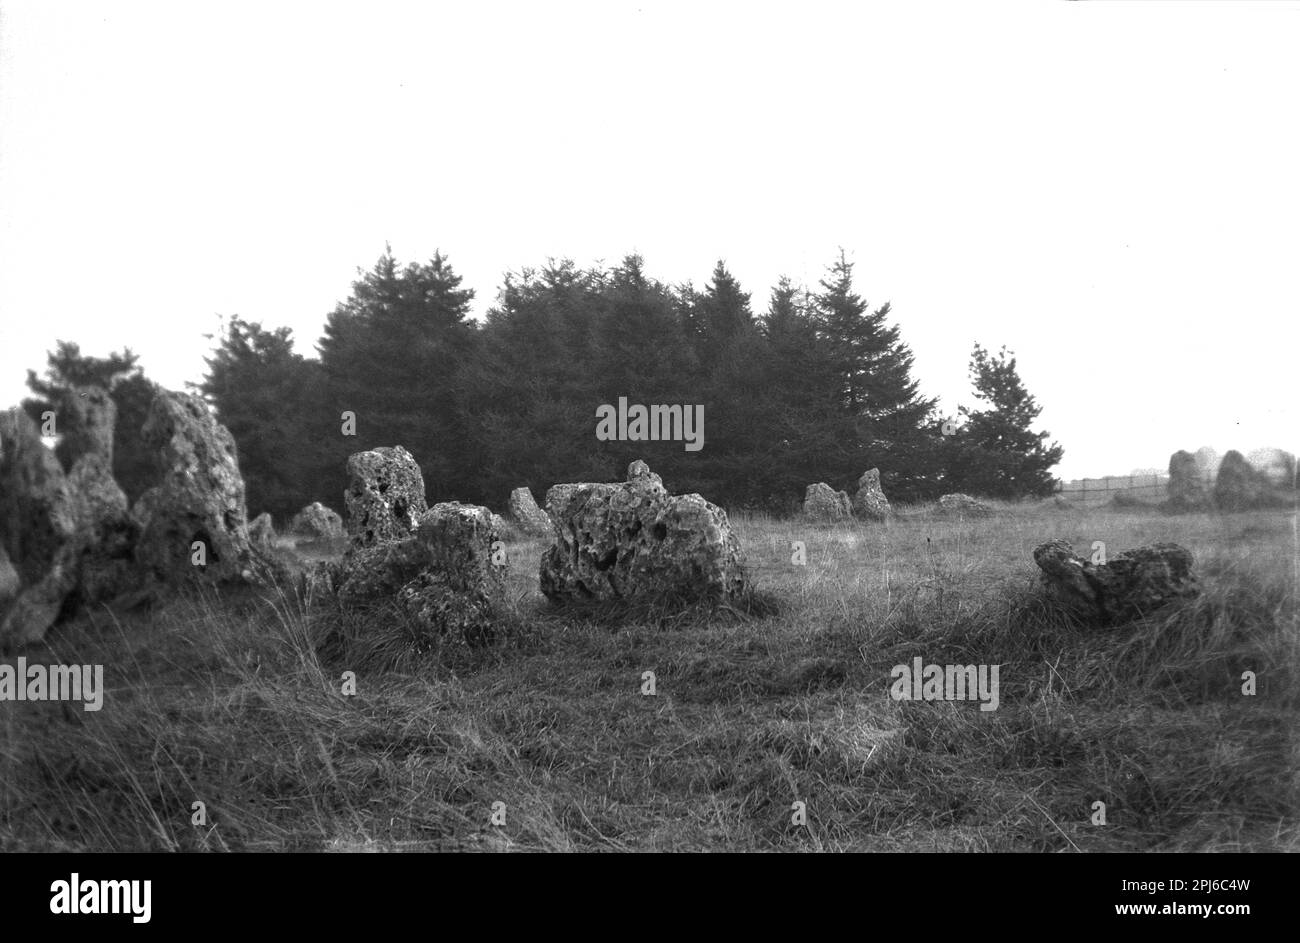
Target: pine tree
(262, 391)
(390, 354)
(722, 312)
(876, 388)
(996, 452)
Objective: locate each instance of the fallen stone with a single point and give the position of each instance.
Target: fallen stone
(821, 502)
(963, 505)
(870, 502)
(384, 497)
(527, 516)
(635, 541)
(317, 522)
(1128, 586)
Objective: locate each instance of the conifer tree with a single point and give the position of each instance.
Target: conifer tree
(996, 452)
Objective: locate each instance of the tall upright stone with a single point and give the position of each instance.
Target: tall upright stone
(870, 502)
(86, 417)
(1238, 487)
(197, 512)
(1186, 486)
(384, 497)
(527, 515)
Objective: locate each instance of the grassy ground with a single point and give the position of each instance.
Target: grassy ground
(236, 702)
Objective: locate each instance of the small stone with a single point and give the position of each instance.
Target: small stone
(870, 502)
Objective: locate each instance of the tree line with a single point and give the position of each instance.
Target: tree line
(818, 386)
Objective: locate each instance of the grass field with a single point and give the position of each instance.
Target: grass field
(236, 702)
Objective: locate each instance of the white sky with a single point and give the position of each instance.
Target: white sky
(1110, 189)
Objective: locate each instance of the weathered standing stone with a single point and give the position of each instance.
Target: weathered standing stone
(261, 531)
(821, 502)
(635, 541)
(963, 505)
(51, 524)
(1186, 486)
(1239, 487)
(9, 582)
(85, 418)
(317, 522)
(527, 515)
(199, 500)
(385, 495)
(870, 501)
(1275, 467)
(1128, 586)
(443, 576)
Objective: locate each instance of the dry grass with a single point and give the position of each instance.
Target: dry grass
(235, 702)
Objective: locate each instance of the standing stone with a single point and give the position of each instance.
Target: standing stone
(50, 525)
(527, 515)
(1130, 585)
(1186, 486)
(635, 541)
(443, 576)
(261, 532)
(85, 418)
(1207, 462)
(870, 501)
(317, 522)
(10, 584)
(1238, 487)
(821, 502)
(1275, 467)
(963, 505)
(200, 498)
(385, 495)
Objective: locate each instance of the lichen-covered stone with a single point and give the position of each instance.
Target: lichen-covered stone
(635, 541)
(317, 522)
(870, 502)
(384, 497)
(963, 505)
(1129, 585)
(527, 516)
(261, 531)
(200, 497)
(821, 502)
(85, 419)
(51, 524)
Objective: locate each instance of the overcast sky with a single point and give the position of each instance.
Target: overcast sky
(1112, 190)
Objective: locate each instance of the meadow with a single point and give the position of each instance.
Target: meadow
(236, 701)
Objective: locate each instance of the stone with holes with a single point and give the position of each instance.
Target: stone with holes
(385, 495)
(1129, 585)
(200, 499)
(633, 540)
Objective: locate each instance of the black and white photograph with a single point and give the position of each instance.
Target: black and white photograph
(650, 427)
